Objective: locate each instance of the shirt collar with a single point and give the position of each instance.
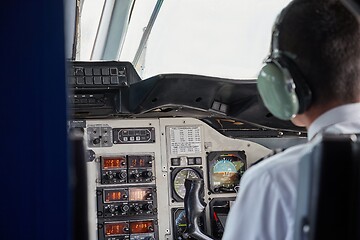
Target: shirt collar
(333, 116)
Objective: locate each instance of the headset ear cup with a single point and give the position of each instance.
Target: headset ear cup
(277, 91)
(303, 92)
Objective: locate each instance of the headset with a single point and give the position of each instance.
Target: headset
(280, 83)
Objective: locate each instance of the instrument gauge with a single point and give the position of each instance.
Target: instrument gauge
(179, 180)
(225, 170)
(180, 224)
(225, 173)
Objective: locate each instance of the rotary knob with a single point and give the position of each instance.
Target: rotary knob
(136, 208)
(109, 175)
(96, 141)
(147, 174)
(111, 209)
(122, 175)
(149, 206)
(124, 208)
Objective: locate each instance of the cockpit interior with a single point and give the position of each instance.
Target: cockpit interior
(154, 92)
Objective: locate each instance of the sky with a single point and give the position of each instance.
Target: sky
(228, 39)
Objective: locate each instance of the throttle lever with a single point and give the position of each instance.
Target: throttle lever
(194, 206)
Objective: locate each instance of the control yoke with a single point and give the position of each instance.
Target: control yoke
(194, 206)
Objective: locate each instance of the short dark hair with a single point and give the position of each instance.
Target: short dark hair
(325, 37)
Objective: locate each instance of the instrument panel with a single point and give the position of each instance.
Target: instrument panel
(137, 173)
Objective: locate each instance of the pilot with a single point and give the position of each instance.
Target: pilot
(312, 77)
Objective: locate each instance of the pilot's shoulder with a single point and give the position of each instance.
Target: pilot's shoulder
(282, 154)
(273, 153)
(279, 160)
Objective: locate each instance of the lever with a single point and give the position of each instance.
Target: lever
(194, 206)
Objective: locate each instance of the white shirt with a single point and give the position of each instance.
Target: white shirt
(266, 202)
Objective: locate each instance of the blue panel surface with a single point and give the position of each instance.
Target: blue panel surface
(34, 166)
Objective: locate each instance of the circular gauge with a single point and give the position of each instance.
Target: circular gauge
(180, 223)
(179, 220)
(179, 180)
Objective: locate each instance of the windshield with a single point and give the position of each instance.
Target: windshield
(228, 39)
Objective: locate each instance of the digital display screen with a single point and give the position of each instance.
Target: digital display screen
(140, 161)
(113, 195)
(113, 163)
(116, 228)
(226, 170)
(139, 194)
(141, 227)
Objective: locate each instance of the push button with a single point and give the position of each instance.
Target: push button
(79, 72)
(97, 71)
(106, 80)
(88, 72)
(113, 71)
(97, 80)
(80, 80)
(175, 162)
(105, 71)
(89, 80)
(114, 80)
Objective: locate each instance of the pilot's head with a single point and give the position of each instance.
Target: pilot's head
(314, 64)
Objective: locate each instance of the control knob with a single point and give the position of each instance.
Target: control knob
(136, 175)
(148, 207)
(122, 175)
(96, 141)
(136, 208)
(124, 208)
(147, 174)
(149, 238)
(109, 175)
(111, 209)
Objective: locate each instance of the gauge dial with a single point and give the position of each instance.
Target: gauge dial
(179, 180)
(179, 220)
